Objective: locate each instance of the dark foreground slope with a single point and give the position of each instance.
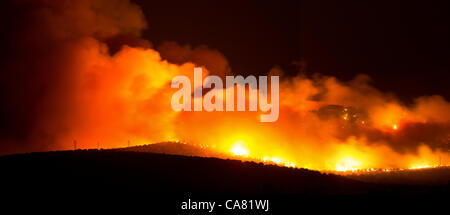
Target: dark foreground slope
(124, 171)
(171, 179)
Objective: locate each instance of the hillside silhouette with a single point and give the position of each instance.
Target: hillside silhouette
(103, 171)
(175, 148)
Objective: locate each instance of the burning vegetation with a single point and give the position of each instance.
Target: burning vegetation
(89, 76)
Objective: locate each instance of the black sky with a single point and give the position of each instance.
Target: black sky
(402, 45)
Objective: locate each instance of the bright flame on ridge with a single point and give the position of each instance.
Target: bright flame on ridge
(239, 149)
(348, 163)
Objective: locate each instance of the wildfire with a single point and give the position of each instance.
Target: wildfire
(422, 167)
(324, 124)
(395, 127)
(348, 163)
(239, 149)
(279, 161)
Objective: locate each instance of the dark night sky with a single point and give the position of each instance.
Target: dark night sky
(403, 46)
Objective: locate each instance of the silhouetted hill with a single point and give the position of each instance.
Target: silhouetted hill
(159, 183)
(175, 148)
(438, 176)
(125, 171)
(158, 173)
